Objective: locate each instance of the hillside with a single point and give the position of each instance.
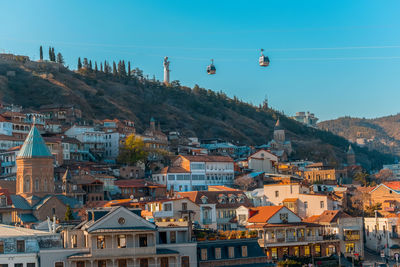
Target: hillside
(192, 112)
(382, 134)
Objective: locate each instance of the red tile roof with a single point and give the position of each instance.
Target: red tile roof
(173, 169)
(221, 188)
(327, 216)
(207, 158)
(263, 214)
(395, 185)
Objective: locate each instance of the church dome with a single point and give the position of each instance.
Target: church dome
(34, 146)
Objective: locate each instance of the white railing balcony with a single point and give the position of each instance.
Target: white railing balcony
(163, 214)
(124, 251)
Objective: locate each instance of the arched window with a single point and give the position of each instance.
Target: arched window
(37, 185)
(45, 185)
(27, 184)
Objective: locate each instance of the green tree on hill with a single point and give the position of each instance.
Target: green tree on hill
(41, 52)
(79, 63)
(60, 58)
(114, 69)
(68, 214)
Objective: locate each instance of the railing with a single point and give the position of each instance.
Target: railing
(351, 237)
(124, 251)
(207, 221)
(8, 164)
(394, 235)
(164, 213)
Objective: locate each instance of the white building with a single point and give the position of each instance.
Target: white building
(395, 168)
(194, 173)
(382, 234)
(306, 118)
(299, 199)
(20, 247)
(262, 161)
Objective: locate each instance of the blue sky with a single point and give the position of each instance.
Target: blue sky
(333, 58)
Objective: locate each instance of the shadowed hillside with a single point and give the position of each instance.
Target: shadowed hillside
(192, 112)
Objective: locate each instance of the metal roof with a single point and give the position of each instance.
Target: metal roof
(34, 146)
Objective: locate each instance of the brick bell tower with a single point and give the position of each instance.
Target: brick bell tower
(35, 170)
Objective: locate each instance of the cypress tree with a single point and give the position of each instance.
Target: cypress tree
(129, 69)
(53, 55)
(41, 53)
(50, 55)
(123, 69)
(79, 63)
(60, 58)
(106, 70)
(114, 69)
(101, 66)
(95, 66)
(90, 65)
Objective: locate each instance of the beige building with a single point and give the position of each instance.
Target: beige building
(263, 161)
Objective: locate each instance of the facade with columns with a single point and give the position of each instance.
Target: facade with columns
(119, 237)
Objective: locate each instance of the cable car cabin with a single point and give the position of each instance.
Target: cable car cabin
(264, 61)
(211, 68)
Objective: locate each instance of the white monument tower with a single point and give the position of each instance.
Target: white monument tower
(166, 71)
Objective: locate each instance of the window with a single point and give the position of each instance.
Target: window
(20, 245)
(102, 263)
(144, 262)
(80, 264)
(305, 204)
(321, 204)
(244, 251)
(101, 242)
(172, 236)
(307, 251)
(37, 185)
(204, 254)
(164, 262)
(18, 264)
(168, 207)
(185, 261)
(142, 240)
(350, 247)
(122, 263)
(274, 253)
(317, 250)
(296, 251)
(217, 253)
(1, 247)
(283, 217)
(276, 193)
(59, 264)
(162, 237)
(184, 206)
(30, 264)
(231, 252)
(121, 240)
(74, 241)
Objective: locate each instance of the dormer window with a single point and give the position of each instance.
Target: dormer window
(231, 199)
(283, 217)
(204, 199)
(222, 199)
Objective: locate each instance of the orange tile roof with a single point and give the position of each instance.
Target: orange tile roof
(327, 216)
(220, 188)
(136, 183)
(263, 214)
(173, 169)
(395, 185)
(290, 200)
(207, 158)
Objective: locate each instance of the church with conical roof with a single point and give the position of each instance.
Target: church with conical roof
(35, 169)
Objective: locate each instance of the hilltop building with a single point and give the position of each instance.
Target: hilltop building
(279, 146)
(306, 118)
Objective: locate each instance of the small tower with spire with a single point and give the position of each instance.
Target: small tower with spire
(351, 156)
(279, 132)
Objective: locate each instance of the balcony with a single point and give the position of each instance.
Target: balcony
(8, 164)
(351, 237)
(118, 252)
(207, 221)
(163, 214)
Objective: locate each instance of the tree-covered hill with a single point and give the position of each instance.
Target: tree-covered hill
(191, 111)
